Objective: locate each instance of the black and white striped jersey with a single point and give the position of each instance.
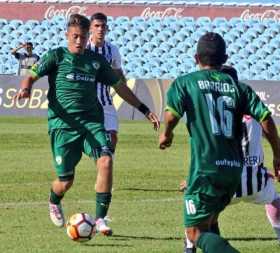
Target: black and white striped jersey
(112, 55)
(254, 176)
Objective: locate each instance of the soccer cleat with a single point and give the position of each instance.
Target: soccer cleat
(56, 214)
(102, 227)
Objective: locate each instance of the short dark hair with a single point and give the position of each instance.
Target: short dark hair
(29, 44)
(230, 71)
(98, 16)
(211, 49)
(79, 20)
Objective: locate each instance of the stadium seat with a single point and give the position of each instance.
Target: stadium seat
(15, 23)
(254, 58)
(3, 22)
(165, 35)
(251, 34)
(241, 27)
(16, 34)
(275, 68)
(121, 19)
(273, 59)
(191, 51)
(138, 19)
(148, 35)
(40, 50)
(222, 30)
(241, 66)
(245, 75)
(252, 48)
(242, 55)
(184, 57)
(234, 21)
(131, 35)
(275, 42)
(201, 21)
(157, 73)
(242, 42)
(262, 54)
(261, 40)
(41, 39)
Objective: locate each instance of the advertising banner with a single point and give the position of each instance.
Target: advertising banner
(151, 92)
(40, 11)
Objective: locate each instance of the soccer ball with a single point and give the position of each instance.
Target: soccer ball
(81, 227)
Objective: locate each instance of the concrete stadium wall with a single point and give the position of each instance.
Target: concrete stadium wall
(151, 92)
(39, 11)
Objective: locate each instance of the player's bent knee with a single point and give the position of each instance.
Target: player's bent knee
(65, 184)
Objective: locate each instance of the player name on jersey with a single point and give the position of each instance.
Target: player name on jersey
(215, 86)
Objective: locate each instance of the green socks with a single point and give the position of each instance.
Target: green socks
(103, 201)
(54, 198)
(212, 243)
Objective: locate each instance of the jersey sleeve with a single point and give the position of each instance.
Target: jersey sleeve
(175, 99)
(107, 75)
(253, 105)
(116, 58)
(45, 65)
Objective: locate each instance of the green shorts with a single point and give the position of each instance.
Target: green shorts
(204, 199)
(69, 144)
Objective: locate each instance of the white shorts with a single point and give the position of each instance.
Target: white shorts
(266, 196)
(111, 121)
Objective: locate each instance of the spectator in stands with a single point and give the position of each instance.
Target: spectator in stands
(26, 60)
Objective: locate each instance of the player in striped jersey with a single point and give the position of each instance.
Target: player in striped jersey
(98, 44)
(257, 184)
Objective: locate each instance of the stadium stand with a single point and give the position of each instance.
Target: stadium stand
(160, 48)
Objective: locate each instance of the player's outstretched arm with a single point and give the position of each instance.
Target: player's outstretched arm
(170, 122)
(127, 95)
(270, 132)
(25, 87)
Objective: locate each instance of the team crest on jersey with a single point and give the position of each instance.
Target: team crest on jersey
(58, 160)
(95, 65)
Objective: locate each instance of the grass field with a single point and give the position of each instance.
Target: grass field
(146, 211)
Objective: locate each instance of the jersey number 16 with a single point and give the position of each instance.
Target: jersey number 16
(221, 125)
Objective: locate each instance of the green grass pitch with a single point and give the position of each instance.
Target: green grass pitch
(146, 210)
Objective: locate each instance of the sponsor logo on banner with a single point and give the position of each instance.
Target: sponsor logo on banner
(170, 11)
(263, 95)
(53, 11)
(261, 16)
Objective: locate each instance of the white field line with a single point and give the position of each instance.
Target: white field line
(32, 204)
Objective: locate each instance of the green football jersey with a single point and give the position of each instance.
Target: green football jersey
(214, 105)
(72, 91)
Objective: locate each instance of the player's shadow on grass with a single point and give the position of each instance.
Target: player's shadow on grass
(172, 238)
(132, 237)
(251, 239)
(147, 190)
(108, 245)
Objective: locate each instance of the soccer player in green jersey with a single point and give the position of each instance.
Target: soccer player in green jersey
(75, 117)
(214, 105)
